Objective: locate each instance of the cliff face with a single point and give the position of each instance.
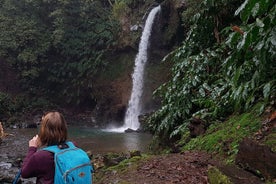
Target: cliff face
(169, 26)
(113, 86)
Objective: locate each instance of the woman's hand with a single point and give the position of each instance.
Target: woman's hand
(34, 142)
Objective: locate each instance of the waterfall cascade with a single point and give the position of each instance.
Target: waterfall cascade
(134, 105)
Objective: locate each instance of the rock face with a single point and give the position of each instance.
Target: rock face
(257, 158)
(112, 94)
(197, 127)
(112, 86)
(172, 27)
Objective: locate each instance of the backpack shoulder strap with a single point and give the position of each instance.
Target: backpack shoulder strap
(55, 149)
(70, 144)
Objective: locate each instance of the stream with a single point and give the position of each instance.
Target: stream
(15, 146)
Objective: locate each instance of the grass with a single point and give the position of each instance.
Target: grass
(217, 177)
(122, 168)
(223, 138)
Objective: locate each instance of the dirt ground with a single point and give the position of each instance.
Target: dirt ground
(180, 168)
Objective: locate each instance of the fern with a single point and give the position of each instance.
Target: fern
(221, 78)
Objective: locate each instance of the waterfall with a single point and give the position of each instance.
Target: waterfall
(134, 105)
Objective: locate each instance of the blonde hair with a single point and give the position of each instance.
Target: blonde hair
(53, 129)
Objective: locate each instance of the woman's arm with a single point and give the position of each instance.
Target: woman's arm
(30, 164)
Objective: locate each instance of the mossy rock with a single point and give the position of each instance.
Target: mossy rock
(217, 177)
(113, 159)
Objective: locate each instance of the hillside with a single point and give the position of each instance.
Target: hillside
(225, 154)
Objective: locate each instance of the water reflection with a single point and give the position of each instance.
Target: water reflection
(96, 140)
(100, 141)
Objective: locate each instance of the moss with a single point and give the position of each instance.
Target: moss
(117, 66)
(125, 164)
(217, 177)
(223, 138)
(270, 141)
(119, 169)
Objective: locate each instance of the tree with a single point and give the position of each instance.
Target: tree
(56, 46)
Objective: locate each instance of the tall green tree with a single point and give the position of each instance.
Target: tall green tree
(56, 46)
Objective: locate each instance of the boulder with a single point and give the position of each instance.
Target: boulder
(256, 158)
(113, 159)
(129, 130)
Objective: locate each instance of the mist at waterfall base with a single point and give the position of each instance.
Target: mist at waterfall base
(134, 106)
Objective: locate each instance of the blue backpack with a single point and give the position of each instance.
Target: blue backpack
(72, 165)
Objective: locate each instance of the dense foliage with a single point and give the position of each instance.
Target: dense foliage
(56, 46)
(226, 64)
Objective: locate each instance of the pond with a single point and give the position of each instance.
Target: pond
(97, 141)
(15, 146)
(101, 141)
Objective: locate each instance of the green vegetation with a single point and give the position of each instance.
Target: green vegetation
(225, 66)
(216, 177)
(19, 105)
(56, 47)
(5, 107)
(116, 69)
(270, 140)
(224, 138)
(120, 8)
(122, 167)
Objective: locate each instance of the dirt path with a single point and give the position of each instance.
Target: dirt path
(181, 168)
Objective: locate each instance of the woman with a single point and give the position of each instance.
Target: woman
(40, 163)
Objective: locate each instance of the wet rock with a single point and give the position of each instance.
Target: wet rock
(256, 158)
(5, 166)
(7, 172)
(136, 27)
(113, 159)
(134, 153)
(129, 130)
(31, 125)
(143, 118)
(98, 162)
(6, 177)
(236, 174)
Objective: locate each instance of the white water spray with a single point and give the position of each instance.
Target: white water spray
(134, 105)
